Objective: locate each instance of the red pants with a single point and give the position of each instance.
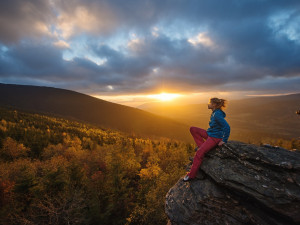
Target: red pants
(204, 146)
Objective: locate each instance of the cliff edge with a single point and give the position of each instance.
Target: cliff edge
(239, 184)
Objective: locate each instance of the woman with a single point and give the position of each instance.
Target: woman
(217, 134)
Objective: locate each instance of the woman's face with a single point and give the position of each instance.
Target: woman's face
(211, 105)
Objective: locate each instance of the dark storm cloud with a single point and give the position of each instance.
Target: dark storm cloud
(31, 60)
(177, 63)
(45, 62)
(268, 85)
(253, 42)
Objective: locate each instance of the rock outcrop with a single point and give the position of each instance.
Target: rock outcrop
(239, 184)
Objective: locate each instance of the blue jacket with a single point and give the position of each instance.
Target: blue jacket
(218, 126)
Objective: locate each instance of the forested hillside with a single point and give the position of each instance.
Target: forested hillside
(87, 109)
(55, 171)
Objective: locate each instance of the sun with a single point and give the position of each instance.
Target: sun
(164, 96)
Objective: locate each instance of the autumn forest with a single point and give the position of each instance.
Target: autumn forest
(55, 171)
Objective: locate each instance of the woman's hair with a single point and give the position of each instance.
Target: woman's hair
(220, 103)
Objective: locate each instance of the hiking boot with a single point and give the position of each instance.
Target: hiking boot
(187, 178)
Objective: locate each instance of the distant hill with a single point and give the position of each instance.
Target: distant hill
(74, 105)
(250, 119)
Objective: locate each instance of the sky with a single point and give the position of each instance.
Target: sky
(130, 52)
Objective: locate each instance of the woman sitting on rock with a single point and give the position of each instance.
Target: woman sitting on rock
(217, 134)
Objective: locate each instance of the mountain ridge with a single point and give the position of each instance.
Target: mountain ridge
(74, 105)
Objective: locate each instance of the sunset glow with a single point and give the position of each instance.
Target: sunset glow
(164, 96)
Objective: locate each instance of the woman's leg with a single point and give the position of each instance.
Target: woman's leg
(199, 155)
(198, 135)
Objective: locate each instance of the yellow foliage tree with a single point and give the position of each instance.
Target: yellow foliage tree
(12, 150)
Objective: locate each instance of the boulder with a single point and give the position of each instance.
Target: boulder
(239, 183)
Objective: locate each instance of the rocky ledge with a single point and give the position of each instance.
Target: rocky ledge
(239, 184)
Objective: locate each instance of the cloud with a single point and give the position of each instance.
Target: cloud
(24, 19)
(91, 18)
(135, 46)
(61, 44)
(201, 39)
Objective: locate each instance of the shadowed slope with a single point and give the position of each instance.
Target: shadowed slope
(74, 105)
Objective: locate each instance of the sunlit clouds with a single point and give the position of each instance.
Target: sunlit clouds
(42, 28)
(202, 39)
(61, 44)
(95, 19)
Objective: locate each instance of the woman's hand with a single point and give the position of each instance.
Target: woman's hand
(221, 143)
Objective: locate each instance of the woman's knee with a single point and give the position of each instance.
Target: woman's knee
(196, 129)
(192, 129)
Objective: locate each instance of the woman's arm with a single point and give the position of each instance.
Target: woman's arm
(226, 128)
